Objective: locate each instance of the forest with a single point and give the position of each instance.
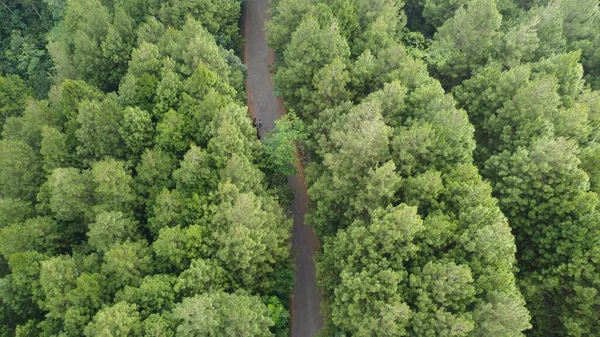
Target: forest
(452, 161)
(135, 199)
(451, 151)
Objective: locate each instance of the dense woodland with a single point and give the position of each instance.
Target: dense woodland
(452, 152)
(452, 161)
(135, 199)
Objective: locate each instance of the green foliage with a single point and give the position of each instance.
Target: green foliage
(112, 186)
(279, 315)
(157, 326)
(250, 234)
(171, 133)
(127, 263)
(202, 276)
(143, 121)
(154, 295)
(311, 47)
(67, 194)
(121, 319)
(16, 182)
(222, 314)
(136, 130)
(195, 174)
(14, 211)
(384, 134)
(465, 41)
(169, 210)
(54, 149)
(153, 173)
(12, 95)
(58, 276)
(436, 12)
(21, 290)
(98, 131)
(376, 305)
(175, 248)
(281, 143)
(557, 227)
(286, 16)
(35, 234)
(110, 228)
(22, 42)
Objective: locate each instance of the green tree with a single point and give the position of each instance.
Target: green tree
(201, 277)
(29, 126)
(138, 86)
(111, 228)
(169, 210)
(229, 138)
(77, 46)
(330, 86)
(172, 134)
(117, 45)
(14, 211)
(246, 176)
(112, 186)
(154, 295)
(175, 247)
(13, 93)
(16, 182)
(364, 264)
(157, 326)
(311, 48)
(436, 12)
(281, 143)
(221, 314)
(127, 263)
(137, 130)
(153, 173)
(98, 132)
(358, 143)
(54, 149)
(39, 234)
(68, 194)
(121, 319)
(250, 234)
(21, 289)
(465, 41)
(58, 276)
(545, 195)
(87, 297)
(520, 43)
(195, 174)
(549, 30)
(286, 16)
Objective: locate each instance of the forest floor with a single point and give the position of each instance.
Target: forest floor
(305, 306)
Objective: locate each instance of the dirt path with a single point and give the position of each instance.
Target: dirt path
(305, 307)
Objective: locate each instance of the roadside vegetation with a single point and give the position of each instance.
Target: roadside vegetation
(451, 161)
(135, 199)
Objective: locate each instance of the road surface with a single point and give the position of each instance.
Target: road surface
(305, 306)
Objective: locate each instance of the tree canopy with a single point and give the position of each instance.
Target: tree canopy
(133, 191)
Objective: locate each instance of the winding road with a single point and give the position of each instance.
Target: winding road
(305, 305)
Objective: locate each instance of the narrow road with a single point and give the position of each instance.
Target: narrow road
(305, 306)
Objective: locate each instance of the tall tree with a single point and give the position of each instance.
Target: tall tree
(121, 319)
(312, 47)
(12, 95)
(16, 182)
(545, 194)
(465, 41)
(250, 234)
(222, 314)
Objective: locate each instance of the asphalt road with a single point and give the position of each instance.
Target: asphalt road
(305, 305)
